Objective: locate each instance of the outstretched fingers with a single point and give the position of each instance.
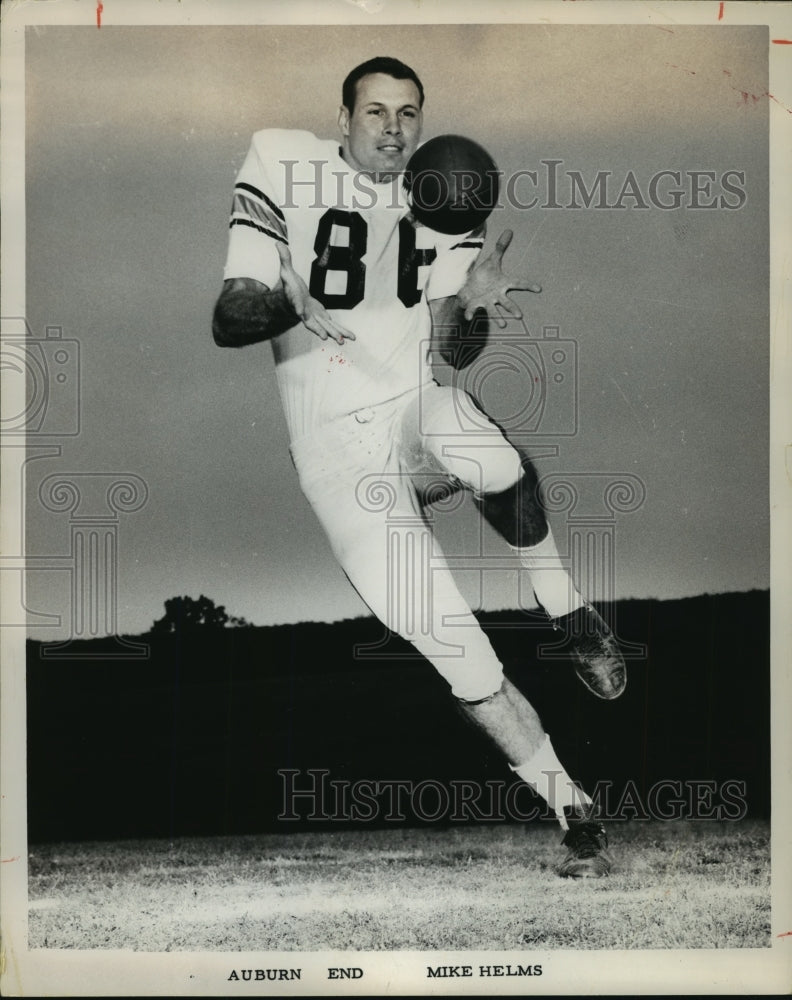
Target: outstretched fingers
(324, 326)
(505, 304)
(284, 253)
(497, 305)
(310, 311)
(339, 333)
(524, 286)
(502, 244)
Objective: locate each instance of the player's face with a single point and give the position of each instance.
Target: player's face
(382, 131)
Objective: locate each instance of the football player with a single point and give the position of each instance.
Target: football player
(327, 264)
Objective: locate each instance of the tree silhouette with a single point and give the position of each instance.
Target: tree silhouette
(184, 614)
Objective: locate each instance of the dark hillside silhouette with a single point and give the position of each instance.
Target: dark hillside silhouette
(190, 741)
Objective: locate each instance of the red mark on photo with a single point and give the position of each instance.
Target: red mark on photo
(720, 11)
(6, 861)
(99, 9)
(785, 934)
(747, 97)
(781, 41)
(768, 94)
(690, 72)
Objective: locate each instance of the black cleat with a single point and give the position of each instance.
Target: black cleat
(591, 644)
(587, 842)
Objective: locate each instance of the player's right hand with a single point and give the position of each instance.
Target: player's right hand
(310, 311)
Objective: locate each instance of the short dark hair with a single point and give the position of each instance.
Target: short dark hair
(379, 64)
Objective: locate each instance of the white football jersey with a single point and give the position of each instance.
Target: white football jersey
(361, 256)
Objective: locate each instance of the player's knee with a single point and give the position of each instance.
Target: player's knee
(517, 512)
(512, 468)
(503, 472)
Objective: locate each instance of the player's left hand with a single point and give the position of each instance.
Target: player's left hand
(487, 287)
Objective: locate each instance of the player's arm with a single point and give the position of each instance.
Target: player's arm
(248, 311)
(263, 295)
(457, 340)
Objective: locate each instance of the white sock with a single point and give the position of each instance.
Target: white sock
(545, 773)
(551, 583)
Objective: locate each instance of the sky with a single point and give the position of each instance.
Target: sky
(134, 136)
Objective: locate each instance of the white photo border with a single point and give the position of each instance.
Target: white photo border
(121, 973)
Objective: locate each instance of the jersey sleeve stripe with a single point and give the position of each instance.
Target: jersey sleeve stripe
(245, 206)
(235, 221)
(475, 244)
(241, 185)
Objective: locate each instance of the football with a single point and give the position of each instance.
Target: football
(453, 184)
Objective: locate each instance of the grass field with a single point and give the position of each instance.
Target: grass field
(674, 885)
